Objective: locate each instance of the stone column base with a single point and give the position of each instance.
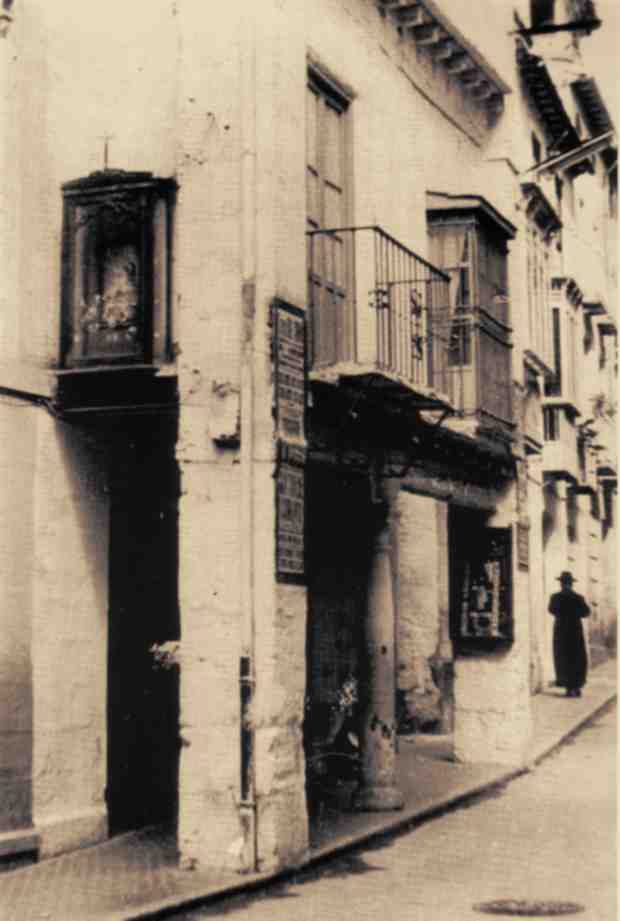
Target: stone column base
(61, 833)
(378, 799)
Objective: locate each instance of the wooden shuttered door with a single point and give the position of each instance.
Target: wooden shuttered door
(326, 209)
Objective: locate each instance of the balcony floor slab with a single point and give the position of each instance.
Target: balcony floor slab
(381, 381)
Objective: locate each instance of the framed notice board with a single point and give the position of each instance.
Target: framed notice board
(289, 330)
(290, 529)
(289, 354)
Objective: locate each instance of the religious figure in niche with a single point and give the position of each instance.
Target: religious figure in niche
(111, 313)
(120, 287)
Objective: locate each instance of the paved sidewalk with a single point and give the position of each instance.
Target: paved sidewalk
(135, 876)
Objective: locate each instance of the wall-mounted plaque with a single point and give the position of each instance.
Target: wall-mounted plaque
(290, 550)
(290, 370)
(289, 354)
(522, 491)
(523, 546)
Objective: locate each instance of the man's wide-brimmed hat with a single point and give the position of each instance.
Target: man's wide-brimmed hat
(566, 576)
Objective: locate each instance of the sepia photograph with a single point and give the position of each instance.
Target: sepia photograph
(308, 460)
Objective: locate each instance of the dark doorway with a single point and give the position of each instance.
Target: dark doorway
(338, 538)
(143, 700)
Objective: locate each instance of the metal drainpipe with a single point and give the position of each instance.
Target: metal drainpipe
(247, 802)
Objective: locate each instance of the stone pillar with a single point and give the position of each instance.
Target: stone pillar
(542, 665)
(210, 825)
(445, 652)
(378, 790)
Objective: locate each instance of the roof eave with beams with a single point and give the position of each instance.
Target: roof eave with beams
(595, 111)
(540, 209)
(546, 99)
(583, 19)
(427, 26)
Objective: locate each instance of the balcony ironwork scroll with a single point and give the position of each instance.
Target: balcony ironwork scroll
(376, 303)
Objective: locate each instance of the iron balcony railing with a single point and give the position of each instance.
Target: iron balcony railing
(375, 303)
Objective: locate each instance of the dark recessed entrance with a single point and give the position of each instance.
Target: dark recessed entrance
(143, 701)
(338, 550)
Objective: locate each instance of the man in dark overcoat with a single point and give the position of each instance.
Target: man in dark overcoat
(569, 648)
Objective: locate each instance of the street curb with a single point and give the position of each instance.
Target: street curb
(582, 721)
(401, 823)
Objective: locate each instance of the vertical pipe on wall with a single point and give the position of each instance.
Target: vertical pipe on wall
(247, 61)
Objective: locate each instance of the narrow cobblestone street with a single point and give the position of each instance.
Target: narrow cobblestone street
(547, 836)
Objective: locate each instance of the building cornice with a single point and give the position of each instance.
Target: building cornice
(595, 111)
(438, 203)
(426, 25)
(540, 209)
(546, 99)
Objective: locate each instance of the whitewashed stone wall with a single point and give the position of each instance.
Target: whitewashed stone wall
(18, 423)
(235, 161)
(208, 331)
(493, 719)
(69, 637)
(422, 580)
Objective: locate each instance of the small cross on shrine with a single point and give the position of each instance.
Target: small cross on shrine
(106, 138)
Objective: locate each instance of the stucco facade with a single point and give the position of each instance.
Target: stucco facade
(142, 519)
